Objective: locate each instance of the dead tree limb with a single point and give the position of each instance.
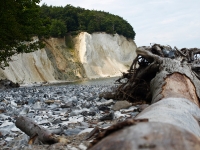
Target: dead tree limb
(154, 60)
(36, 132)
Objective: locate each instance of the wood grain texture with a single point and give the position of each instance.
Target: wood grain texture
(147, 136)
(34, 131)
(179, 86)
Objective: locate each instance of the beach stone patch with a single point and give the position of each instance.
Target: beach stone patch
(49, 102)
(121, 105)
(105, 102)
(104, 108)
(67, 104)
(71, 111)
(109, 116)
(2, 110)
(142, 107)
(69, 132)
(86, 113)
(107, 95)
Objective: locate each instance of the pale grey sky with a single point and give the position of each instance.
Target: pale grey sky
(167, 22)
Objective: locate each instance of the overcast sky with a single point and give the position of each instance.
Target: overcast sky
(167, 22)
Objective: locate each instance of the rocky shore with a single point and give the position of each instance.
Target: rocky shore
(71, 111)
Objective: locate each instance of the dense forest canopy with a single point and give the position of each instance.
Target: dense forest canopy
(21, 20)
(78, 19)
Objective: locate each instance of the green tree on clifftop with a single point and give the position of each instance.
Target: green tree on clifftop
(58, 28)
(79, 19)
(20, 21)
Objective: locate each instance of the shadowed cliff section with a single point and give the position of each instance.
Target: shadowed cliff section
(65, 60)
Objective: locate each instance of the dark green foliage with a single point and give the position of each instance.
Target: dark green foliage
(79, 19)
(69, 41)
(20, 21)
(57, 28)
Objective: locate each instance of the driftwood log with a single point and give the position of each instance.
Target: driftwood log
(167, 79)
(36, 132)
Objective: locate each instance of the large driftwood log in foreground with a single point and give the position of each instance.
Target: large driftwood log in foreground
(150, 136)
(168, 79)
(36, 132)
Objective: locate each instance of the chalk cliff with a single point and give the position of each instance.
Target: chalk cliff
(88, 56)
(28, 68)
(105, 55)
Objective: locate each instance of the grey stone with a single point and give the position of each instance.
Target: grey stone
(72, 131)
(109, 116)
(67, 104)
(121, 105)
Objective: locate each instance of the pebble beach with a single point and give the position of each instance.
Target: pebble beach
(71, 111)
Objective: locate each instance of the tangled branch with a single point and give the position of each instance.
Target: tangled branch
(146, 65)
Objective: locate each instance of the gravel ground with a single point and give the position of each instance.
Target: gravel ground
(71, 110)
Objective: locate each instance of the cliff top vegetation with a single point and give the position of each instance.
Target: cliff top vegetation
(58, 21)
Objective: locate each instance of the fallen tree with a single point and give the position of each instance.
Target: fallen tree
(168, 79)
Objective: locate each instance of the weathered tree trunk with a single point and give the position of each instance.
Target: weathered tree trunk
(174, 90)
(37, 132)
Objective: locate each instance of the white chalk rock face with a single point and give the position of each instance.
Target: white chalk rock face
(104, 55)
(29, 68)
(94, 56)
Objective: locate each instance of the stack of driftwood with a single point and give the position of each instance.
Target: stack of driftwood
(152, 60)
(168, 79)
